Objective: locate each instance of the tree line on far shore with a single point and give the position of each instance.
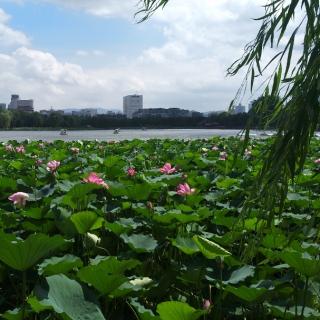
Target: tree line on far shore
(225, 120)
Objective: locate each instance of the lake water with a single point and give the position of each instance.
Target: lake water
(123, 134)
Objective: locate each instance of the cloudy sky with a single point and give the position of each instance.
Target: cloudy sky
(80, 53)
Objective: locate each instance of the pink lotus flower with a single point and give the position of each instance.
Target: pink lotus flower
(168, 169)
(9, 148)
(75, 150)
(53, 165)
(39, 162)
(131, 172)
(223, 156)
(95, 179)
(317, 161)
(20, 149)
(215, 148)
(206, 304)
(184, 190)
(19, 198)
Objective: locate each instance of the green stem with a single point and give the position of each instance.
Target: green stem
(24, 292)
(132, 309)
(221, 289)
(305, 296)
(295, 298)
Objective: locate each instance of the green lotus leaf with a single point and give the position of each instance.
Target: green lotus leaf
(56, 265)
(16, 314)
(23, 254)
(240, 275)
(140, 242)
(246, 293)
(210, 249)
(303, 263)
(186, 245)
(175, 310)
(68, 297)
(106, 274)
(100, 279)
(86, 221)
(136, 285)
(144, 313)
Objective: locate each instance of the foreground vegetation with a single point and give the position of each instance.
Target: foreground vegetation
(153, 230)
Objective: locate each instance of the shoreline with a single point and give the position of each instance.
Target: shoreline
(130, 128)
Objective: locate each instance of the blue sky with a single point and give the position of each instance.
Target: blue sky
(91, 52)
(63, 32)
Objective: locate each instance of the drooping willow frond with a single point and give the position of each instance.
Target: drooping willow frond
(149, 7)
(296, 81)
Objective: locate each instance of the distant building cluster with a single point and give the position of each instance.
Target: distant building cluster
(85, 112)
(18, 104)
(132, 108)
(162, 113)
(48, 112)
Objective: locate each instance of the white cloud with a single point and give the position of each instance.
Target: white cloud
(202, 38)
(82, 53)
(98, 53)
(102, 8)
(86, 53)
(44, 67)
(8, 36)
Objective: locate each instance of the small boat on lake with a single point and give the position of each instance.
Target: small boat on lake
(266, 134)
(63, 132)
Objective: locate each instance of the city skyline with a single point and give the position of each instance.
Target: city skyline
(91, 53)
(7, 101)
(130, 105)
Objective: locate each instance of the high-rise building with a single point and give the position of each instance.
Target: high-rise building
(21, 105)
(25, 105)
(132, 104)
(13, 105)
(3, 106)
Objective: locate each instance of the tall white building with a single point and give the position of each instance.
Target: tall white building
(131, 104)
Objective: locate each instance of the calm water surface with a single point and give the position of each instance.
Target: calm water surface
(123, 134)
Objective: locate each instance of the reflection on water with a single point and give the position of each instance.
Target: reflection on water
(122, 135)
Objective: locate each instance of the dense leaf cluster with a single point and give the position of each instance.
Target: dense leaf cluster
(138, 250)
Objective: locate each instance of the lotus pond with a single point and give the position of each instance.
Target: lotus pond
(153, 230)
